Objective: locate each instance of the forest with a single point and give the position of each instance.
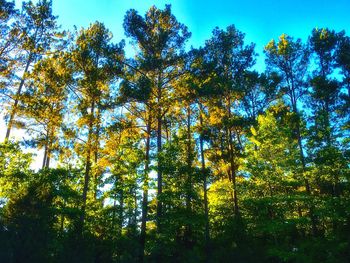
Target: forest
(175, 154)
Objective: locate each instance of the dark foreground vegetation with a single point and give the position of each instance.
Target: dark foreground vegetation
(172, 155)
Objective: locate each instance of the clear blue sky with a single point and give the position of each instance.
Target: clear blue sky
(260, 20)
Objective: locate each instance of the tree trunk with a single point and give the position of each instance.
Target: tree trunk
(159, 257)
(307, 184)
(49, 148)
(233, 176)
(232, 163)
(87, 169)
(204, 174)
(188, 229)
(45, 156)
(121, 217)
(159, 172)
(18, 93)
(48, 157)
(145, 193)
(301, 152)
(62, 219)
(114, 208)
(121, 206)
(96, 148)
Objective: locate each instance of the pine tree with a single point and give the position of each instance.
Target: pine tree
(38, 31)
(44, 102)
(96, 63)
(160, 40)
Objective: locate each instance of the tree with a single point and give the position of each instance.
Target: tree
(226, 50)
(160, 40)
(124, 154)
(258, 92)
(38, 31)
(8, 43)
(325, 90)
(290, 58)
(343, 60)
(96, 63)
(44, 102)
(200, 92)
(327, 140)
(14, 167)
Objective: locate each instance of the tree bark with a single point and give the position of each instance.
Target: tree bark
(49, 148)
(87, 169)
(145, 193)
(159, 150)
(18, 93)
(159, 172)
(232, 163)
(45, 156)
(188, 231)
(96, 148)
(204, 174)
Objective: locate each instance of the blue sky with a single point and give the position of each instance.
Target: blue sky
(259, 20)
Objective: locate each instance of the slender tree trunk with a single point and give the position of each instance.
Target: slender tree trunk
(87, 168)
(302, 158)
(188, 232)
(159, 172)
(159, 215)
(159, 150)
(301, 153)
(307, 184)
(233, 176)
(48, 157)
(145, 193)
(85, 189)
(232, 163)
(135, 211)
(96, 148)
(45, 156)
(114, 208)
(167, 131)
(270, 206)
(205, 191)
(49, 148)
(62, 220)
(121, 217)
(121, 206)
(18, 93)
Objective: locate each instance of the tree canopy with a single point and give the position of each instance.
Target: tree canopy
(173, 154)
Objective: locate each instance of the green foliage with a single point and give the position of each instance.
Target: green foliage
(172, 156)
(14, 168)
